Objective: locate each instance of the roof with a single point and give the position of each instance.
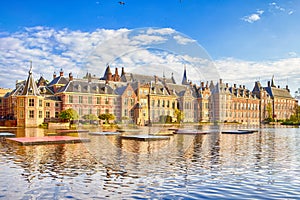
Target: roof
(30, 87)
(130, 77)
(278, 92)
(58, 80)
(84, 86)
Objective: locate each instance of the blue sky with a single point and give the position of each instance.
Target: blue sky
(239, 34)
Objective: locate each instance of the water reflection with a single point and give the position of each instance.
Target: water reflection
(260, 165)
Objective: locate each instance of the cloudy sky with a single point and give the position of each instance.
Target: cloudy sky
(246, 40)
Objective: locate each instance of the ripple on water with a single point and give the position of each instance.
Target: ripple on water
(264, 165)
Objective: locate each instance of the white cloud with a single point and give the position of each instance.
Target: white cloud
(183, 40)
(247, 72)
(79, 52)
(253, 17)
(161, 31)
(275, 6)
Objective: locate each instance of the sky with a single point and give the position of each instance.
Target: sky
(247, 40)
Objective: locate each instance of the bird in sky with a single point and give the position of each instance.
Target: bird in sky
(121, 2)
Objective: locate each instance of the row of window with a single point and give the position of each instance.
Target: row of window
(163, 103)
(31, 103)
(31, 114)
(89, 100)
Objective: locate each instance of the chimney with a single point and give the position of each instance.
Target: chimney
(244, 87)
(90, 78)
(155, 78)
(123, 72)
(269, 84)
(220, 81)
(234, 85)
(202, 84)
(227, 85)
(287, 88)
(61, 73)
(54, 75)
(70, 76)
(278, 86)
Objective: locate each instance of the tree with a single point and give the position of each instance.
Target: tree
(179, 115)
(107, 117)
(69, 114)
(269, 112)
(90, 117)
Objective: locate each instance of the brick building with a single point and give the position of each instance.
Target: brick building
(143, 99)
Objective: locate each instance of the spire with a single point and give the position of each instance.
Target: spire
(184, 79)
(30, 86)
(272, 82)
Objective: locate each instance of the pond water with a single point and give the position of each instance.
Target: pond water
(262, 165)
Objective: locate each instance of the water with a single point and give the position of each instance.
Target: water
(263, 165)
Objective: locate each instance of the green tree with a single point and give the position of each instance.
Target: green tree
(90, 117)
(68, 115)
(179, 115)
(269, 112)
(107, 117)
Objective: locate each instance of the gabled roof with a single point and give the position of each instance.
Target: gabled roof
(42, 81)
(278, 92)
(83, 86)
(58, 80)
(131, 77)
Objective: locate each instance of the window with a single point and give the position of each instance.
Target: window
(47, 104)
(106, 100)
(98, 112)
(106, 111)
(80, 99)
(90, 100)
(40, 114)
(56, 114)
(129, 93)
(21, 102)
(70, 99)
(21, 114)
(98, 100)
(31, 102)
(40, 103)
(56, 104)
(47, 114)
(131, 102)
(90, 111)
(31, 114)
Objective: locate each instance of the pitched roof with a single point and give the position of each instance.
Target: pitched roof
(83, 86)
(58, 80)
(30, 86)
(278, 92)
(131, 77)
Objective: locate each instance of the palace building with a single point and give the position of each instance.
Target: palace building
(142, 99)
